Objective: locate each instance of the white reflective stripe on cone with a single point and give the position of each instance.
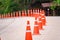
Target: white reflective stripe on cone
(28, 25)
(43, 18)
(28, 31)
(39, 16)
(35, 25)
(39, 21)
(35, 20)
(42, 14)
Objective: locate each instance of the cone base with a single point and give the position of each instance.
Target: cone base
(36, 34)
(28, 36)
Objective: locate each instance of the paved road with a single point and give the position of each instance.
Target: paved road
(14, 29)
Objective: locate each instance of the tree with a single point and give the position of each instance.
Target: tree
(5, 4)
(54, 4)
(13, 5)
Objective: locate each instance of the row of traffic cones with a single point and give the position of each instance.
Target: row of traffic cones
(28, 35)
(40, 21)
(43, 18)
(29, 13)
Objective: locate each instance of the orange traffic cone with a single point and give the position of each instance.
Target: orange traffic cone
(37, 10)
(23, 13)
(43, 13)
(11, 15)
(43, 20)
(35, 13)
(17, 14)
(0, 15)
(29, 13)
(43, 17)
(8, 15)
(40, 12)
(36, 29)
(28, 32)
(40, 23)
(4, 16)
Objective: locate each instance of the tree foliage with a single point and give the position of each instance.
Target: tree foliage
(54, 4)
(13, 5)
